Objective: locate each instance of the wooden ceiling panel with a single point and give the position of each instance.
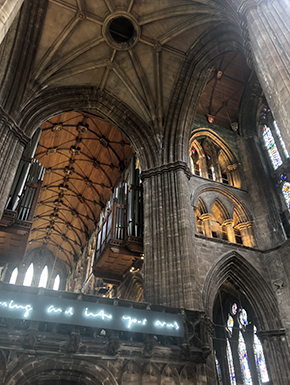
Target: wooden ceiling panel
(84, 157)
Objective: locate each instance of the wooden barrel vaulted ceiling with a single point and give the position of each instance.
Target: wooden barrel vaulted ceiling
(84, 156)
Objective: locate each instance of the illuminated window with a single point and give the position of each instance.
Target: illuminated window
(237, 347)
(260, 359)
(218, 370)
(43, 278)
(286, 193)
(281, 140)
(56, 283)
(271, 147)
(244, 362)
(14, 276)
(28, 276)
(231, 364)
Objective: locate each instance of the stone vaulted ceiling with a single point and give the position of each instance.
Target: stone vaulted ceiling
(133, 49)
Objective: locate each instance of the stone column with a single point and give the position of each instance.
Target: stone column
(266, 28)
(12, 142)
(228, 224)
(8, 11)
(206, 222)
(170, 265)
(246, 230)
(234, 177)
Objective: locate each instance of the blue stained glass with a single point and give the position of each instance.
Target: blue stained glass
(281, 140)
(260, 360)
(271, 147)
(218, 370)
(244, 362)
(231, 364)
(286, 193)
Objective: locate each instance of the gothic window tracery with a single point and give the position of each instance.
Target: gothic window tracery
(239, 351)
(212, 159)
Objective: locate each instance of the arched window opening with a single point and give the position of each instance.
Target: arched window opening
(271, 147)
(43, 278)
(195, 162)
(218, 217)
(56, 282)
(14, 276)
(28, 276)
(238, 349)
(211, 158)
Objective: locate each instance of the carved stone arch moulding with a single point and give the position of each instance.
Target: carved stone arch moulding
(169, 376)
(239, 205)
(55, 101)
(50, 368)
(188, 376)
(216, 139)
(131, 373)
(261, 297)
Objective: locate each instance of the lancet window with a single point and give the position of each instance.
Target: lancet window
(13, 276)
(237, 346)
(43, 277)
(28, 276)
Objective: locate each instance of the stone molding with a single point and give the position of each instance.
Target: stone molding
(8, 122)
(165, 168)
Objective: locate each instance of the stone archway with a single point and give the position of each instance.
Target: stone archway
(66, 371)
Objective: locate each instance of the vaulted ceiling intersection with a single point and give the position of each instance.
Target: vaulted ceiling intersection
(84, 157)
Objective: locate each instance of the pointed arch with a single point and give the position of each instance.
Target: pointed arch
(188, 376)
(234, 267)
(169, 375)
(131, 374)
(221, 207)
(14, 276)
(28, 275)
(151, 374)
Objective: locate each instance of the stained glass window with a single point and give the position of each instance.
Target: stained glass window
(218, 370)
(243, 318)
(260, 359)
(281, 140)
(234, 309)
(244, 362)
(286, 193)
(56, 283)
(14, 276)
(43, 278)
(271, 147)
(230, 325)
(28, 276)
(231, 364)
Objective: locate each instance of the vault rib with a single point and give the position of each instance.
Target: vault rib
(62, 37)
(143, 81)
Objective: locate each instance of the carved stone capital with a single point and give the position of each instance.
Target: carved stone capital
(174, 166)
(11, 125)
